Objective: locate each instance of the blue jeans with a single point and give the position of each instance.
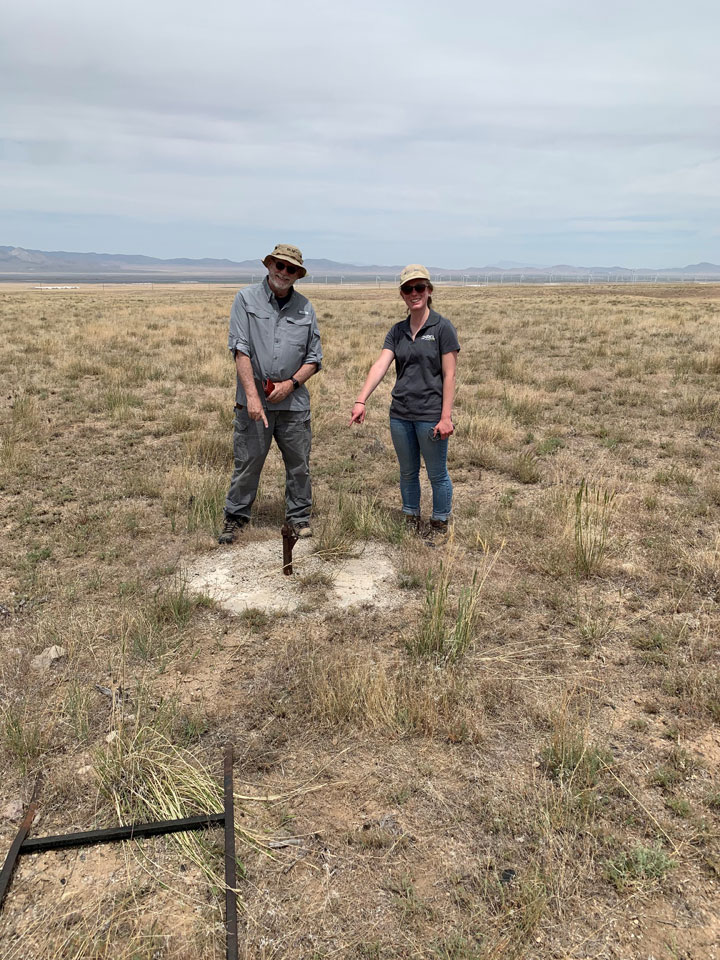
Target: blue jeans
(411, 438)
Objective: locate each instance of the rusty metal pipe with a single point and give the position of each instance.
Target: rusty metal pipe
(289, 540)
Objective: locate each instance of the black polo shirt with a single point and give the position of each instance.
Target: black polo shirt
(417, 394)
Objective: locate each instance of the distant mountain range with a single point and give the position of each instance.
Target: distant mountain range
(17, 263)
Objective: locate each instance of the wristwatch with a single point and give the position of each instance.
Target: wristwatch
(295, 383)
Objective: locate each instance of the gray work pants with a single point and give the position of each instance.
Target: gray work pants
(251, 443)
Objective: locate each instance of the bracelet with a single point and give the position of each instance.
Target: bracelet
(360, 401)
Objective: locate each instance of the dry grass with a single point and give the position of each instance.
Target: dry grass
(551, 790)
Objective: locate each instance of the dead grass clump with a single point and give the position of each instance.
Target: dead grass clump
(348, 688)
(573, 761)
(696, 687)
(211, 450)
(153, 625)
(414, 564)
(524, 468)
(488, 429)
(701, 565)
(194, 498)
(146, 777)
(20, 434)
(444, 704)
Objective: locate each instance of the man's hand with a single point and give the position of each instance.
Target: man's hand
(358, 413)
(282, 390)
(255, 409)
(444, 427)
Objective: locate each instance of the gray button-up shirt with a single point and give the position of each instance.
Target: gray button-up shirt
(278, 340)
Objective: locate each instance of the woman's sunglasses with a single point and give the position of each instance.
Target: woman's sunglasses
(287, 267)
(417, 287)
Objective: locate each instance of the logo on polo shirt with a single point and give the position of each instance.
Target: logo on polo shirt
(428, 336)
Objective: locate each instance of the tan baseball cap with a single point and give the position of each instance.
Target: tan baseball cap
(414, 271)
(288, 253)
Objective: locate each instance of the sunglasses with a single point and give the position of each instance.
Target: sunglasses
(287, 267)
(417, 287)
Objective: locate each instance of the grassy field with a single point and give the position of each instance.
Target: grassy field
(519, 761)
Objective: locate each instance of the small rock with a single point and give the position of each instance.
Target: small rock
(12, 810)
(49, 656)
(113, 735)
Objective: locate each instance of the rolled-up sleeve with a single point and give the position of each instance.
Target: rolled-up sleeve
(314, 349)
(239, 338)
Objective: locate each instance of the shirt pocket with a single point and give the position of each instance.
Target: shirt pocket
(297, 334)
(257, 313)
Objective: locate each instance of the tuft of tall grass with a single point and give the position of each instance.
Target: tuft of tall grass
(440, 636)
(154, 625)
(119, 402)
(593, 513)
(21, 735)
(572, 761)
(196, 494)
(23, 427)
(367, 518)
(356, 517)
(524, 468)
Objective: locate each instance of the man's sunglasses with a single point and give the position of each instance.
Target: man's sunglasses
(417, 287)
(287, 267)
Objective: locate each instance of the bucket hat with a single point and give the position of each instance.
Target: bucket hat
(288, 253)
(414, 271)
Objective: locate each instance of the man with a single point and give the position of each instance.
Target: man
(275, 341)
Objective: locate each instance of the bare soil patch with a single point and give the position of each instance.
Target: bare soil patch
(250, 576)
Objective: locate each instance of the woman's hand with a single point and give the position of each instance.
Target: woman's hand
(444, 427)
(358, 413)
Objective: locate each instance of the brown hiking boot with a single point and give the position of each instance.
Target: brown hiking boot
(437, 531)
(413, 522)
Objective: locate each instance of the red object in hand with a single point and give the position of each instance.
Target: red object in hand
(268, 387)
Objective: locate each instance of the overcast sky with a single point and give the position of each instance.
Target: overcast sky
(451, 133)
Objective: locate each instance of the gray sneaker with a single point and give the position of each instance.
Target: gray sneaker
(232, 529)
(302, 529)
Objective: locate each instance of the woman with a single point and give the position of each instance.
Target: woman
(424, 347)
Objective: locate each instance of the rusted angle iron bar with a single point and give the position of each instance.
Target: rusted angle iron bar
(112, 834)
(22, 844)
(15, 849)
(231, 932)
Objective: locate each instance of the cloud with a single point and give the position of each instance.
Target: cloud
(364, 127)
